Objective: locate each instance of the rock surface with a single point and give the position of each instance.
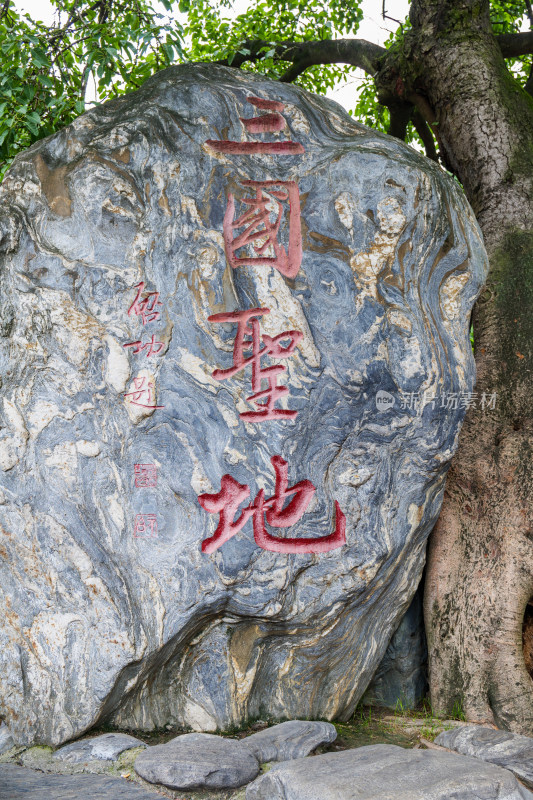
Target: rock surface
(380, 772)
(288, 740)
(400, 681)
(508, 750)
(6, 740)
(110, 608)
(106, 747)
(198, 761)
(18, 783)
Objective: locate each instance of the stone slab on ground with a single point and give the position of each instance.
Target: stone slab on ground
(18, 783)
(288, 740)
(416, 725)
(198, 760)
(509, 750)
(105, 747)
(387, 772)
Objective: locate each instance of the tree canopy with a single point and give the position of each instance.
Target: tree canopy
(45, 69)
(115, 45)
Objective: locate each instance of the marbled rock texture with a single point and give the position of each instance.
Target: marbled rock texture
(101, 619)
(6, 740)
(384, 772)
(400, 681)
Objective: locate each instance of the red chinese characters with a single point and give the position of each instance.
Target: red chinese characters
(145, 526)
(257, 241)
(261, 345)
(145, 476)
(262, 228)
(226, 503)
(143, 394)
(271, 122)
(146, 307)
(152, 348)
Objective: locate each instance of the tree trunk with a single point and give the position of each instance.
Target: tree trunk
(480, 560)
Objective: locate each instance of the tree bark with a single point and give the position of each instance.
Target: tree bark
(480, 560)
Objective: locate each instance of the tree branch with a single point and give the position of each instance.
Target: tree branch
(384, 15)
(428, 115)
(73, 17)
(529, 13)
(4, 11)
(357, 52)
(425, 134)
(104, 8)
(400, 114)
(84, 81)
(515, 44)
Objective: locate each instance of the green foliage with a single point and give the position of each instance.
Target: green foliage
(216, 35)
(116, 44)
(426, 708)
(457, 711)
(511, 17)
(369, 110)
(45, 69)
(506, 17)
(401, 708)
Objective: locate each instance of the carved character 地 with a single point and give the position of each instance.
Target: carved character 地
(226, 503)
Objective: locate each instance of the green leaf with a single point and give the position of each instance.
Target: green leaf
(32, 128)
(38, 57)
(45, 81)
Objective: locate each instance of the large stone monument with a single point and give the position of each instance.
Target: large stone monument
(235, 361)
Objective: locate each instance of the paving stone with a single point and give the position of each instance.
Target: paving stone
(294, 739)
(106, 747)
(198, 760)
(18, 783)
(509, 750)
(387, 772)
